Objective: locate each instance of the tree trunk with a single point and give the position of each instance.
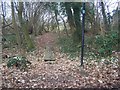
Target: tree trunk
(104, 17)
(119, 26)
(3, 22)
(77, 33)
(70, 16)
(15, 25)
(24, 27)
(56, 14)
(119, 36)
(97, 27)
(65, 27)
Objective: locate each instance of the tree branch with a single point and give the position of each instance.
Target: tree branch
(7, 25)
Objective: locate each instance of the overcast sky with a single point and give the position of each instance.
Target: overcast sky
(111, 3)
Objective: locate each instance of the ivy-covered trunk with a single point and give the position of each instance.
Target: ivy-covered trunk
(24, 27)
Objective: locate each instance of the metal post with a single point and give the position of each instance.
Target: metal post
(83, 29)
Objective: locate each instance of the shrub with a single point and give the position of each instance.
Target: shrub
(96, 46)
(9, 40)
(106, 44)
(68, 46)
(19, 62)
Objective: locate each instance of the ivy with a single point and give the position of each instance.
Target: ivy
(19, 62)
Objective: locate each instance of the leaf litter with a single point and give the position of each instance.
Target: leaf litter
(61, 73)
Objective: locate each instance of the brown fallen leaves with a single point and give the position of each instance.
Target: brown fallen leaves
(61, 73)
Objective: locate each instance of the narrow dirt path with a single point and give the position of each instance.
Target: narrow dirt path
(60, 73)
(49, 38)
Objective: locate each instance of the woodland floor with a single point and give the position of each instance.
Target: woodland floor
(61, 73)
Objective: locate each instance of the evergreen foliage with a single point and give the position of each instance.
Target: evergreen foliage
(19, 62)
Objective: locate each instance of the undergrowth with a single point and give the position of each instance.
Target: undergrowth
(68, 46)
(96, 46)
(18, 62)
